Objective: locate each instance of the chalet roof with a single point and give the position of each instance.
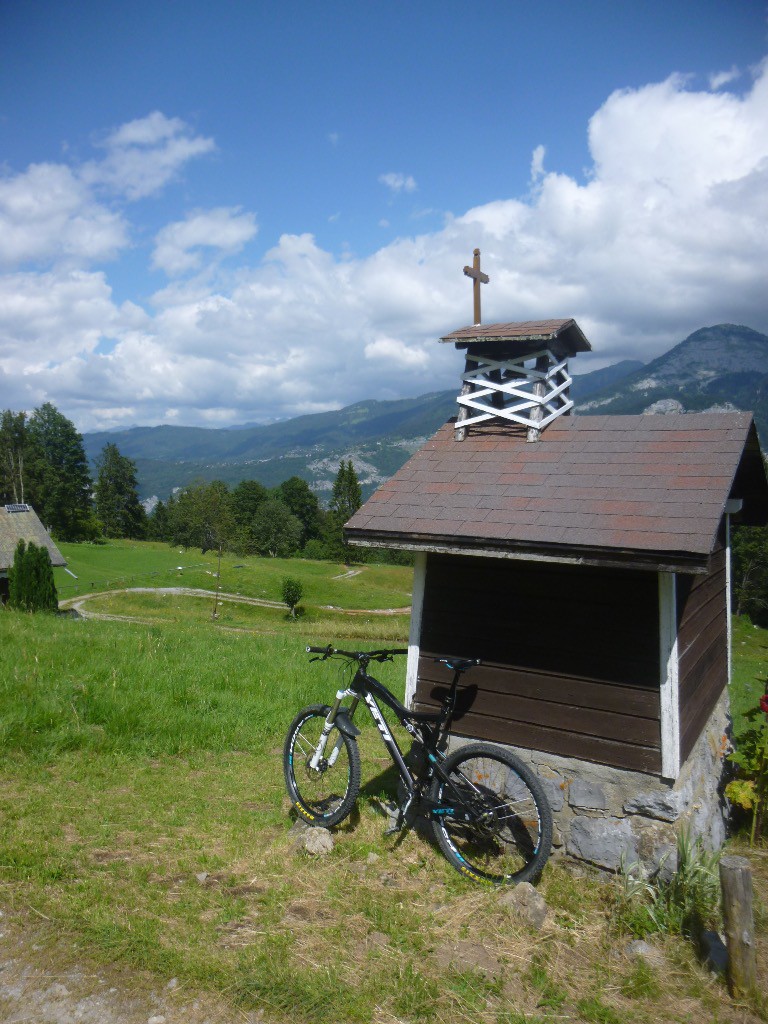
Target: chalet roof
(567, 332)
(22, 524)
(644, 491)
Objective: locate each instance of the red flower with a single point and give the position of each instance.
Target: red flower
(764, 703)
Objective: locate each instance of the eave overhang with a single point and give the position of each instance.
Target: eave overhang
(615, 558)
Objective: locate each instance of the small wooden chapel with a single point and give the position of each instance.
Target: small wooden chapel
(585, 561)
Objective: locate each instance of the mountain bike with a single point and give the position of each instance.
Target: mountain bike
(487, 809)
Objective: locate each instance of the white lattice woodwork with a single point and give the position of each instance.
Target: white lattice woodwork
(508, 389)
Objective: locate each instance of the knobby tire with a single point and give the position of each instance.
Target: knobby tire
(326, 795)
(500, 828)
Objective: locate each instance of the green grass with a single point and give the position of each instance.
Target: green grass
(750, 669)
(109, 686)
(119, 564)
(144, 814)
(312, 625)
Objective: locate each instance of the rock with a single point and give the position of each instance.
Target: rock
(58, 991)
(666, 806)
(159, 1019)
(603, 841)
(173, 983)
(318, 842)
(553, 789)
(588, 795)
(201, 876)
(525, 903)
(371, 858)
(640, 949)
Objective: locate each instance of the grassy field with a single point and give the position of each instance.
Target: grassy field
(145, 821)
(121, 564)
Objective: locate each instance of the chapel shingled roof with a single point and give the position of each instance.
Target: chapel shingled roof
(540, 331)
(23, 524)
(646, 491)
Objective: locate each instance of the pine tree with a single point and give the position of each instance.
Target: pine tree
(32, 587)
(64, 490)
(17, 578)
(159, 523)
(346, 499)
(117, 498)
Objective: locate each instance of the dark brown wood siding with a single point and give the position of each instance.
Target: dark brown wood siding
(702, 639)
(570, 655)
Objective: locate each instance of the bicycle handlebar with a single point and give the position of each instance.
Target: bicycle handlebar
(358, 656)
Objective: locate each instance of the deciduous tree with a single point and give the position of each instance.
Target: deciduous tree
(14, 446)
(276, 531)
(292, 591)
(297, 495)
(202, 517)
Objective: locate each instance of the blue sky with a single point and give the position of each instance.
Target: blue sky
(217, 213)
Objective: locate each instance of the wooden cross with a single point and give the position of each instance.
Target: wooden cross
(478, 278)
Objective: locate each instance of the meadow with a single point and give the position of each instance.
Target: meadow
(145, 822)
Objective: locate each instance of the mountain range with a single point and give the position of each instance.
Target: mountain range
(723, 367)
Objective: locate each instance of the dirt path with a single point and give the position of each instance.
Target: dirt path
(77, 603)
(44, 980)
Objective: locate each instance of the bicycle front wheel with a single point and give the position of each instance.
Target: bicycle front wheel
(325, 794)
(492, 820)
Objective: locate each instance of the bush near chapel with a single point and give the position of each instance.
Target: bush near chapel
(30, 580)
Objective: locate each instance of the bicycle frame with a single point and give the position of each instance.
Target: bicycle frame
(367, 688)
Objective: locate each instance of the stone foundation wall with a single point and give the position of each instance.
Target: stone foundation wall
(602, 813)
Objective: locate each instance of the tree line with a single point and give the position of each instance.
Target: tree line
(250, 519)
(43, 464)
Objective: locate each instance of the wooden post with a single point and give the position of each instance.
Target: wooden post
(539, 390)
(738, 921)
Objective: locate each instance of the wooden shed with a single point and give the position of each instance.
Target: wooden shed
(20, 522)
(589, 571)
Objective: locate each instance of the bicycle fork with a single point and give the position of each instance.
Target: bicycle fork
(341, 719)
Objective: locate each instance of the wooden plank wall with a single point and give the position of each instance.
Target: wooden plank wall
(702, 638)
(570, 655)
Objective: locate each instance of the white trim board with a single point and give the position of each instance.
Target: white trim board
(414, 636)
(670, 678)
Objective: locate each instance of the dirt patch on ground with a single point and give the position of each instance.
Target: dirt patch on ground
(45, 980)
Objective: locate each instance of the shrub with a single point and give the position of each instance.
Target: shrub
(750, 790)
(292, 591)
(31, 584)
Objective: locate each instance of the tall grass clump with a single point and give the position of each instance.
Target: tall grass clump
(685, 903)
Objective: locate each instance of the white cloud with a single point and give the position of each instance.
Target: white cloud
(144, 155)
(537, 162)
(722, 78)
(46, 213)
(397, 182)
(394, 350)
(226, 229)
(665, 234)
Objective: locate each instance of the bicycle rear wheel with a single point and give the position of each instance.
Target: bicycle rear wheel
(493, 822)
(326, 794)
